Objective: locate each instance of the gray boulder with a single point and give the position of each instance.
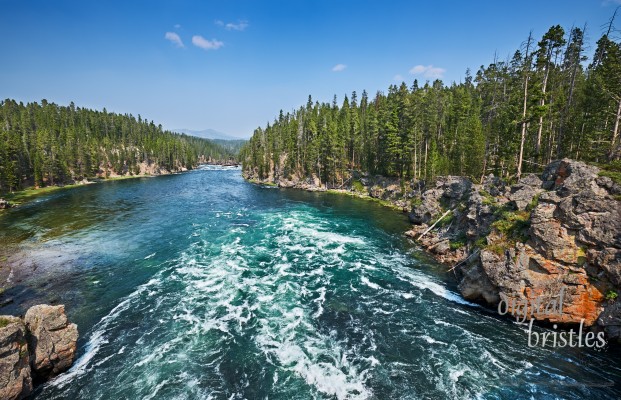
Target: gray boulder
(610, 320)
(568, 176)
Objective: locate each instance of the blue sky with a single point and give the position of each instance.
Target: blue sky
(232, 65)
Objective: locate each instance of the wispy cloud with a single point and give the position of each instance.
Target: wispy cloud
(174, 38)
(206, 44)
(177, 26)
(339, 67)
(231, 26)
(398, 78)
(428, 71)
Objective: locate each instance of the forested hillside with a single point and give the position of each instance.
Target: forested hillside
(46, 144)
(545, 102)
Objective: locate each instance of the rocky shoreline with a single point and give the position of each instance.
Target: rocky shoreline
(34, 349)
(558, 231)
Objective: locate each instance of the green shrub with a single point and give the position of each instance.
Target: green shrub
(611, 295)
(4, 322)
(488, 199)
(614, 166)
(533, 203)
(358, 187)
(458, 243)
(446, 220)
(496, 248)
(615, 176)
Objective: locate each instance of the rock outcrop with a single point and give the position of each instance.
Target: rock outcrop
(559, 231)
(52, 339)
(15, 379)
(36, 348)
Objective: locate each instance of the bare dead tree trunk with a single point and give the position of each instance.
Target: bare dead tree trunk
(615, 132)
(524, 122)
(542, 103)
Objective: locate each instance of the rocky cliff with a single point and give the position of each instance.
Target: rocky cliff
(559, 232)
(35, 348)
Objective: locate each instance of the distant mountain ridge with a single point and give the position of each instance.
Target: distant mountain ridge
(208, 134)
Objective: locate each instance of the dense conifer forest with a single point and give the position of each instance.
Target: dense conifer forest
(47, 144)
(546, 101)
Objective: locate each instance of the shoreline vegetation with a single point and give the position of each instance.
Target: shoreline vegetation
(47, 145)
(27, 194)
(351, 192)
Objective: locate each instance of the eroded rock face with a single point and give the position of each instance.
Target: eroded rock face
(522, 194)
(574, 241)
(610, 320)
(15, 380)
(448, 192)
(52, 339)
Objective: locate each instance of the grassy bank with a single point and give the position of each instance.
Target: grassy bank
(30, 193)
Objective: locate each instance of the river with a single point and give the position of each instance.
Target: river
(201, 286)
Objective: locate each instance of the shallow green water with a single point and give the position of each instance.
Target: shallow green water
(200, 285)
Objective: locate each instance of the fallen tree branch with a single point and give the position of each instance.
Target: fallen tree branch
(434, 224)
(463, 261)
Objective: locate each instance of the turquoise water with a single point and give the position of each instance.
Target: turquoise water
(200, 286)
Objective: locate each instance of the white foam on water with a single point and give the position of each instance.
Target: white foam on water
(425, 282)
(98, 338)
(456, 374)
(370, 284)
(431, 340)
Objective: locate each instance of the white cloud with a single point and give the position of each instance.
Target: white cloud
(339, 67)
(239, 26)
(206, 44)
(398, 78)
(428, 71)
(174, 38)
(177, 26)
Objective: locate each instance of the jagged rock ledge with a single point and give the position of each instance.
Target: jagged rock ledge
(557, 231)
(34, 349)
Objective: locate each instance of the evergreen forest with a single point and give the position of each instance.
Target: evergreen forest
(47, 144)
(546, 101)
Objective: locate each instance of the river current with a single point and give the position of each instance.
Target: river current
(203, 286)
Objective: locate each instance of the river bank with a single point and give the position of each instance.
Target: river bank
(25, 195)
